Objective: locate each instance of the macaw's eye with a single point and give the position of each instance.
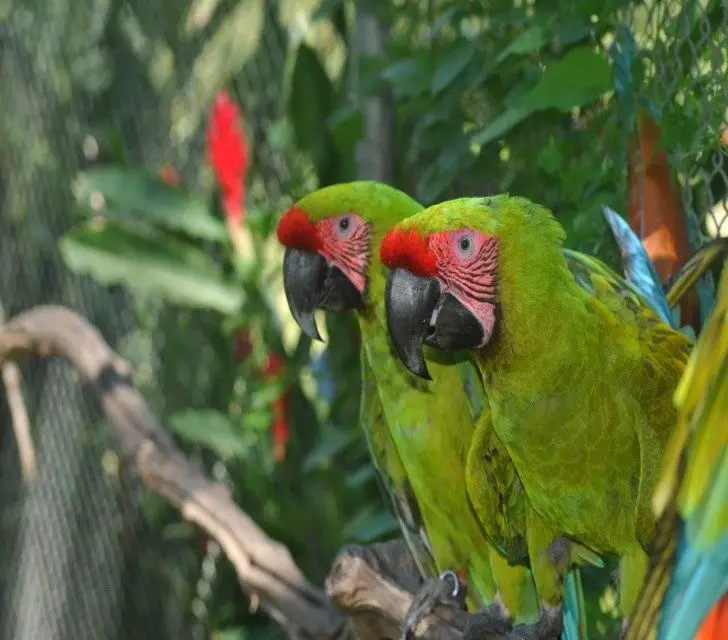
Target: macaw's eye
(465, 245)
(344, 224)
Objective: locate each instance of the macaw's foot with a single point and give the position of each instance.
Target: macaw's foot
(492, 623)
(445, 589)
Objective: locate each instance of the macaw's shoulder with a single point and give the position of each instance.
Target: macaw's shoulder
(625, 306)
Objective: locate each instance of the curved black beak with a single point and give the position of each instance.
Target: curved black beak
(409, 302)
(304, 274)
(418, 314)
(311, 283)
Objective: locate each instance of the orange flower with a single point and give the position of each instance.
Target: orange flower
(168, 174)
(228, 154)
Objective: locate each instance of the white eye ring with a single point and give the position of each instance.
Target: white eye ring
(465, 245)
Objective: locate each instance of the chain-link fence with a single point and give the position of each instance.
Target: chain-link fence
(82, 82)
(683, 49)
(78, 79)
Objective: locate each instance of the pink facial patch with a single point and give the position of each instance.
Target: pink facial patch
(468, 269)
(348, 248)
(408, 250)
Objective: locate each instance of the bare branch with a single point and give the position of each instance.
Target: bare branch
(264, 567)
(19, 416)
(374, 586)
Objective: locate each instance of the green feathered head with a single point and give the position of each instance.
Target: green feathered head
(458, 266)
(332, 239)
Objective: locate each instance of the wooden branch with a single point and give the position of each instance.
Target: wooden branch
(374, 586)
(265, 567)
(19, 416)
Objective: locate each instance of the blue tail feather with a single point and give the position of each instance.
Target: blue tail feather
(637, 266)
(573, 613)
(699, 580)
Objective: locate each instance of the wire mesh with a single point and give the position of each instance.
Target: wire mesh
(74, 79)
(684, 49)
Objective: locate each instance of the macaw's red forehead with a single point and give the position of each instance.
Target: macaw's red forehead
(295, 230)
(408, 250)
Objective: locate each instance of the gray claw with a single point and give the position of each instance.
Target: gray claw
(445, 589)
(491, 623)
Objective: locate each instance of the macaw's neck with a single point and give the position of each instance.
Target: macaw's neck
(372, 320)
(543, 332)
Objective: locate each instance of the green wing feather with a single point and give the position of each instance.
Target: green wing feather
(391, 475)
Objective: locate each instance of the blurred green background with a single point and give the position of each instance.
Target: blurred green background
(101, 101)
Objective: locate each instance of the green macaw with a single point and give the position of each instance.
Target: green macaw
(578, 372)
(418, 432)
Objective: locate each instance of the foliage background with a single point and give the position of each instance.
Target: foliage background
(538, 98)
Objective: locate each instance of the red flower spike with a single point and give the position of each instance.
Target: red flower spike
(273, 364)
(281, 431)
(228, 153)
(168, 174)
(296, 231)
(243, 345)
(408, 250)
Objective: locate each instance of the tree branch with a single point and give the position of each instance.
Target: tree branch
(19, 416)
(264, 567)
(373, 585)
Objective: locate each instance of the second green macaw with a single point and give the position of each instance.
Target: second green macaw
(418, 432)
(578, 373)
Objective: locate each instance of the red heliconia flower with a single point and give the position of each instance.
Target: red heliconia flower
(281, 431)
(243, 345)
(228, 154)
(168, 174)
(273, 364)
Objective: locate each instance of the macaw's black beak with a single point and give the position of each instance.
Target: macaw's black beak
(418, 314)
(311, 283)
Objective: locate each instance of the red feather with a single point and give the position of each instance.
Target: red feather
(715, 626)
(408, 250)
(295, 230)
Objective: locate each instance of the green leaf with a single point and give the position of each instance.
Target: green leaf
(310, 103)
(532, 39)
(359, 477)
(347, 128)
(263, 396)
(209, 428)
(134, 194)
(257, 420)
(234, 633)
(445, 17)
(149, 262)
(579, 78)
(326, 9)
(498, 127)
(550, 157)
(333, 443)
(571, 29)
(369, 524)
(452, 64)
(407, 77)
(280, 135)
